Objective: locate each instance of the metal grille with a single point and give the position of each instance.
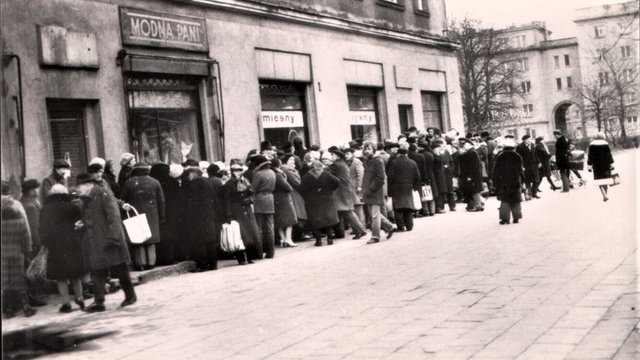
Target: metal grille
(160, 83)
(279, 89)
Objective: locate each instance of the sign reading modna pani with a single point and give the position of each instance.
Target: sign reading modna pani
(281, 119)
(147, 28)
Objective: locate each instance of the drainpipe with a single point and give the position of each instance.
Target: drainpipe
(7, 59)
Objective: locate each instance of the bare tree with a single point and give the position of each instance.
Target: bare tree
(595, 96)
(488, 71)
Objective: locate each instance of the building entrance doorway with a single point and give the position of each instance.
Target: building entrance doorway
(567, 118)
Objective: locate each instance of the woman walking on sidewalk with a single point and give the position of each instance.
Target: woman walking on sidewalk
(599, 161)
(508, 179)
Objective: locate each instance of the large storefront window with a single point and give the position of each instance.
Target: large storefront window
(166, 120)
(363, 114)
(283, 114)
(432, 110)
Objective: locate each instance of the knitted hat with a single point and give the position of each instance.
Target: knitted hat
(61, 163)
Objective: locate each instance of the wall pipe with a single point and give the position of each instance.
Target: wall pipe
(8, 58)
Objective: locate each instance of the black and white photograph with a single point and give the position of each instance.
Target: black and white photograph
(320, 179)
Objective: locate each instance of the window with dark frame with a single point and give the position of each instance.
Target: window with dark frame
(556, 61)
(569, 82)
(567, 60)
(559, 83)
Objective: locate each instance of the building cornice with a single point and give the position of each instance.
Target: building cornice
(263, 10)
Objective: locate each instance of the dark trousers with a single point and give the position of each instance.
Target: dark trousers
(121, 271)
(446, 198)
(510, 208)
(404, 218)
(564, 175)
(265, 225)
(349, 217)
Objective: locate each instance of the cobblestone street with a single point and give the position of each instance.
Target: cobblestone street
(562, 284)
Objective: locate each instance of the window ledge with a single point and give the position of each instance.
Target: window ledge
(424, 13)
(397, 6)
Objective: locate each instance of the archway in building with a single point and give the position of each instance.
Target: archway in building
(567, 117)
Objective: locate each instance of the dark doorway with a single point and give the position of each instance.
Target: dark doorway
(560, 117)
(66, 120)
(405, 113)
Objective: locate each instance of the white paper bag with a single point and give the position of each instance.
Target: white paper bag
(427, 194)
(417, 202)
(137, 227)
(230, 238)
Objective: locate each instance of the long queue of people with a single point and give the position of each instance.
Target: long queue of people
(277, 196)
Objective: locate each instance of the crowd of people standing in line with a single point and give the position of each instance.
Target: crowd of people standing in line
(277, 196)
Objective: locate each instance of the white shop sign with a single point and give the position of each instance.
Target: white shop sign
(282, 119)
(362, 117)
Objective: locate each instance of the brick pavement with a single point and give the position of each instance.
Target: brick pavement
(560, 285)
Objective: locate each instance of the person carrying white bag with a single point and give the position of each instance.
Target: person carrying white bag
(231, 242)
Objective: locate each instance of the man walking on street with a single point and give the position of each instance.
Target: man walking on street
(105, 241)
(530, 162)
(562, 158)
(373, 194)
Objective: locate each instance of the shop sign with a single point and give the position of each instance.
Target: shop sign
(282, 119)
(362, 117)
(147, 28)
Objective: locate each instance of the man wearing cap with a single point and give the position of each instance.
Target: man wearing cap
(59, 175)
(508, 177)
(373, 194)
(530, 163)
(562, 158)
(343, 196)
(105, 242)
(263, 183)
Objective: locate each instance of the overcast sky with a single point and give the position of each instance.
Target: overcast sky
(558, 14)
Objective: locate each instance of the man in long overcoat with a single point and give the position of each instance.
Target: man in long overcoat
(422, 168)
(470, 179)
(104, 239)
(373, 194)
(317, 189)
(527, 152)
(562, 158)
(344, 196)
(264, 183)
(429, 207)
(507, 178)
(404, 179)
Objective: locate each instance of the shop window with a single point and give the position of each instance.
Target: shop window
(364, 114)
(283, 115)
(432, 110)
(166, 124)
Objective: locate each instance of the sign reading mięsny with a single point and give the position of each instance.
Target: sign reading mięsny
(148, 28)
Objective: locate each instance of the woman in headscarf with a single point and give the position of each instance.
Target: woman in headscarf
(60, 235)
(127, 160)
(317, 190)
(238, 199)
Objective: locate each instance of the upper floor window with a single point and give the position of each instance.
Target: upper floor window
(528, 110)
(422, 5)
(567, 60)
(599, 31)
(569, 82)
(627, 75)
(601, 54)
(526, 87)
(626, 51)
(604, 78)
(524, 64)
(556, 61)
(559, 83)
(521, 41)
(630, 98)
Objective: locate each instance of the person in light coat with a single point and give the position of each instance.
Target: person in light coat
(263, 183)
(356, 172)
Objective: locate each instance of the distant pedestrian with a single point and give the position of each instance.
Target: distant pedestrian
(238, 199)
(373, 194)
(284, 210)
(264, 183)
(344, 197)
(60, 175)
(59, 233)
(544, 167)
(444, 177)
(470, 180)
(356, 172)
(167, 249)
(508, 177)
(317, 190)
(429, 206)
(404, 179)
(105, 245)
(599, 161)
(527, 152)
(562, 158)
(197, 230)
(32, 207)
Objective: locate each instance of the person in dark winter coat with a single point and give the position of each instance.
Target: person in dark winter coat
(105, 245)
(219, 207)
(317, 190)
(422, 167)
(544, 168)
(404, 179)
(562, 158)
(263, 183)
(429, 207)
(508, 177)
(527, 152)
(285, 213)
(238, 200)
(59, 175)
(470, 180)
(344, 197)
(16, 246)
(373, 194)
(127, 161)
(599, 161)
(145, 194)
(167, 249)
(198, 219)
(65, 260)
(444, 177)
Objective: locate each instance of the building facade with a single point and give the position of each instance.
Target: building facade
(210, 79)
(560, 77)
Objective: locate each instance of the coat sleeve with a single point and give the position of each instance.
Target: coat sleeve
(160, 201)
(333, 181)
(111, 216)
(293, 179)
(359, 172)
(281, 183)
(417, 179)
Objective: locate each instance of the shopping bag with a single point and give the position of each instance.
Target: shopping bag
(427, 194)
(230, 238)
(137, 227)
(616, 179)
(38, 266)
(417, 202)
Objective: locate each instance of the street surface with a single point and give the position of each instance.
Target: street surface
(562, 284)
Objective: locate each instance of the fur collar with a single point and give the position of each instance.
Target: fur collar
(598, 142)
